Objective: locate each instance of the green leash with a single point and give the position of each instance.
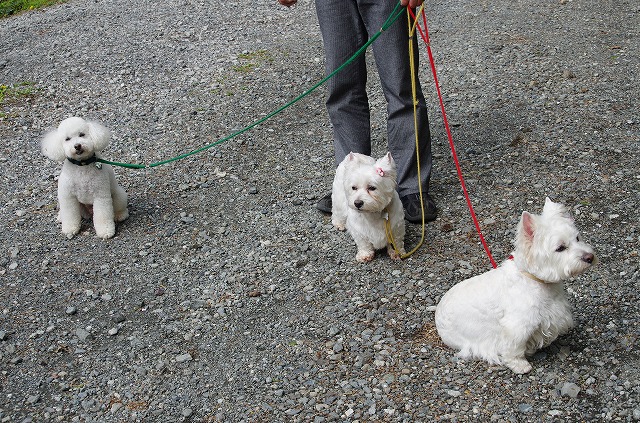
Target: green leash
(390, 20)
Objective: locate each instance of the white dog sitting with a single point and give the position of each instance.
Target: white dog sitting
(85, 187)
(510, 312)
(363, 198)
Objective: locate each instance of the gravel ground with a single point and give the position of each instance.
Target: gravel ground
(227, 297)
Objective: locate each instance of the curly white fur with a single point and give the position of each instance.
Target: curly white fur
(363, 196)
(85, 189)
(510, 312)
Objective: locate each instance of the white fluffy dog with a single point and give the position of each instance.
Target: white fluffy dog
(85, 187)
(363, 198)
(510, 312)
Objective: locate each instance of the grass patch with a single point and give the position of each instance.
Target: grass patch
(252, 59)
(12, 7)
(9, 92)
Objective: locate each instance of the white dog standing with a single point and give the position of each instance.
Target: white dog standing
(363, 198)
(510, 312)
(85, 187)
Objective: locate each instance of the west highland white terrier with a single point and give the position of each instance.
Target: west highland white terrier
(86, 188)
(364, 198)
(508, 313)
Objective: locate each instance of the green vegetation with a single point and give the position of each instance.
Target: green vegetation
(12, 7)
(252, 59)
(8, 92)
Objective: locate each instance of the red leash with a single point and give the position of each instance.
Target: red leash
(425, 37)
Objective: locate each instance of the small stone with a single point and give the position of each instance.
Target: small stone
(113, 331)
(33, 399)
(525, 408)
(184, 357)
(82, 334)
(253, 190)
(3, 335)
(187, 412)
(570, 390)
(71, 310)
(119, 317)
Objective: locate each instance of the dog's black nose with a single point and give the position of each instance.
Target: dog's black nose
(588, 258)
(358, 204)
(78, 147)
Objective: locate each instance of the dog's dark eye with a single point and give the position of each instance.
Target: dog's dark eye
(68, 139)
(561, 248)
(371, 188)
(578, 238)
(355, 188)
(81, 134)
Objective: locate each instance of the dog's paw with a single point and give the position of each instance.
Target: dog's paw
(365, 256)
(395, 255)
(70, 230)
(122, 216)
(106, 231)
(339, 225)
(519, 365)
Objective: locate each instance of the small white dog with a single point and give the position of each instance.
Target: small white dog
(85, 187)
(363, 198)
(510, 312)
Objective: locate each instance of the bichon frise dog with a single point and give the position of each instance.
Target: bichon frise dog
(85, 187)
(510, 312)
(364, 198)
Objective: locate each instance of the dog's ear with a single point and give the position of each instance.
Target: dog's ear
(51, 146)
(526, 232)
(528, 225)
(550, 208)
(99, 134)
(386, 166)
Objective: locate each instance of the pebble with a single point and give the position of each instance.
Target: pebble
(183, 358)
(83, 335)
(570, 390)
(525, 408)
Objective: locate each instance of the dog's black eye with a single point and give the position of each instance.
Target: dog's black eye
(68, 139)
(355, 188)
(578, 238)
(371, 188)
(81, 134)
(561, 248)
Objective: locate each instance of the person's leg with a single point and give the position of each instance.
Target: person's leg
(391, 52)
(343, 33)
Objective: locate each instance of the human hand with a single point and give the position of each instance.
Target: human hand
(289, 3)
(411, 3)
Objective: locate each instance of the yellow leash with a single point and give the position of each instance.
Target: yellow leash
(387, 225)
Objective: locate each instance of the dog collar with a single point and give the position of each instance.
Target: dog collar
(527, 274)
(530, 276)
(88, 161)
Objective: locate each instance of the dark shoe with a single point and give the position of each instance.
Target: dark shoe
(324, 205)
(413, 211)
